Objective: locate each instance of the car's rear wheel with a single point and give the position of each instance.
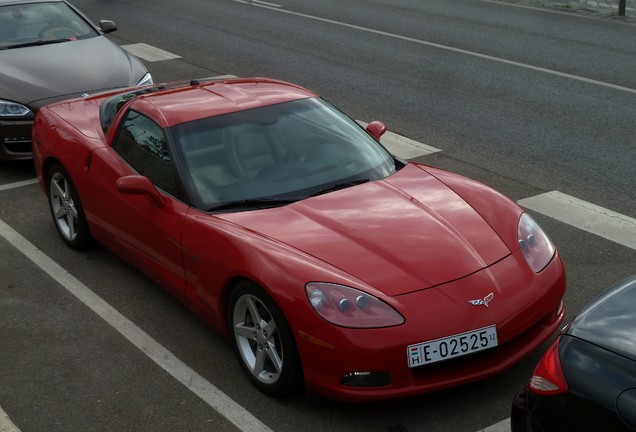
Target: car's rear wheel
(66, 208)
(263, 341)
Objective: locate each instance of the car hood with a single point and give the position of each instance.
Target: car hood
(609, 320)
(32, 75)
(402, 234)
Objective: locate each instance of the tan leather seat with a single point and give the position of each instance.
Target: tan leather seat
(249, 149)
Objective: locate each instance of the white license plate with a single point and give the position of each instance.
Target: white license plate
(452, 346)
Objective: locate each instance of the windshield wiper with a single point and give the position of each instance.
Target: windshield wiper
(37, 42)
(262, 203)
(256, 203)
(338, 186)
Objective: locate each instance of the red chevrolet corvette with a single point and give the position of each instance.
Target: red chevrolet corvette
(328, 262)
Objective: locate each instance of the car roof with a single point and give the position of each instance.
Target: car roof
(201, 99)
(610, 319)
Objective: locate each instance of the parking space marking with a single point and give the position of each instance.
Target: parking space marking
(205, 390)
(502, 426)
(6, 425)
(402, 146)
(18, 184)
(258, 2)
(267, 4)
(149, 52)
(584, 215)
(228, 76)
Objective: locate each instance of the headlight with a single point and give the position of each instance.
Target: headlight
(13, 109)
(146, 80)
(535, 245)
(349, 307)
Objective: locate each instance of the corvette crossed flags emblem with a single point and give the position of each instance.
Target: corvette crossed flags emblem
(484, 301)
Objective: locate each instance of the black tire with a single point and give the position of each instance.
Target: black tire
(66, 209)
(263, 341)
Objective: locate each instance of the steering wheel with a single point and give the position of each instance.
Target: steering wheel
(299, 148)
(52, 33)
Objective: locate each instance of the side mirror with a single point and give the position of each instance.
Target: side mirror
(107, 26)
(138, 185)
(376, 129)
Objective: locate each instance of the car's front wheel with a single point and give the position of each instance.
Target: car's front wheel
(66, 208)
(263, 341)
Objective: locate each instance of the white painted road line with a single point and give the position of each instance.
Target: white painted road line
(586, 216)
(209, 393)
(18, 184)
(6, 425)
(402, 146)
(452, 49)
(266, 3)
(220, 77)
(149, 53)
(502, 426)
(257, 2)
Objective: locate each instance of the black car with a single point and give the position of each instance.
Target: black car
(50, 51)
(586, 381)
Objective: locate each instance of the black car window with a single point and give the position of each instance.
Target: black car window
(41, 22)
(142, 144)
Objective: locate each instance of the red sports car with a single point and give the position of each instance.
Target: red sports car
(328, 262)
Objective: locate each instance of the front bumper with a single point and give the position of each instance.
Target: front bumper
(15, 139)
(526, 308)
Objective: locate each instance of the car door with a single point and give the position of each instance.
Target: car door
(140, 229)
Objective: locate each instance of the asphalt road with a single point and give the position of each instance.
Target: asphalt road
(524, 100)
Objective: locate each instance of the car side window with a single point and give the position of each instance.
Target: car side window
(141, 143)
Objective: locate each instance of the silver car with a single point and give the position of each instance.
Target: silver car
(50, 51)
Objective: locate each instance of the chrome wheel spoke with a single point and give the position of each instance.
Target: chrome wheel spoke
(60, 213)
(269, 329)
(72, 211)
(70, 222)
(248, 332)
(273, 356)
(56, 190)
(259, 366)
(253, 311)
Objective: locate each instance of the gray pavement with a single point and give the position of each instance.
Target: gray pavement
(597, 8)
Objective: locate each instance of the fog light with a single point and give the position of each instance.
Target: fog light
(366, 379)
(16, 144)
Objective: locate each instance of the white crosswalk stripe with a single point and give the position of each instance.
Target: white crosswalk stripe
(586, 216)
(149, 53)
